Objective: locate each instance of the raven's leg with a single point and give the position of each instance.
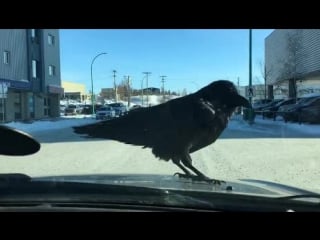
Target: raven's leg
(186, 171)
(187, 161)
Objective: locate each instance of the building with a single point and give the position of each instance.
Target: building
(30, 79)
(151, 90)
(292, 58)
(107, 93)
(74, 91)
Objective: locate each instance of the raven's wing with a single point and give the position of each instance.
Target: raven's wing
(167, 124)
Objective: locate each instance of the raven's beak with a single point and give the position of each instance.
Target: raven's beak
(238, 100)
(14, 142)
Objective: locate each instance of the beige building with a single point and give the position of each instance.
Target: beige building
(75, 91)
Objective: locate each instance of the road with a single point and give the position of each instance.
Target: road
(263, 151)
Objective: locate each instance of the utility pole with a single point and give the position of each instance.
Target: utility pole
(238, 84)
(162, 81)
(129, 91)
(147, 74)
(250, 64)
(115, 86)
(142, 92)
(265, 82)
(250, 111)
(2, 99)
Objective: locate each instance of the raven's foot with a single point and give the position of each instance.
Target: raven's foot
(199, 178)
(182, 175)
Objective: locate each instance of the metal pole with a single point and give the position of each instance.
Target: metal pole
(163, 86)
(147, 73)
(142, 92)
(265, 82)
(115, 86)
(129, 92)
(250, 64)
(238, 84)
(92, 100)
(2, 99)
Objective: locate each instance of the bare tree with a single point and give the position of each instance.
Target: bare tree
(290, 63)
(123, 89)
(266, 74)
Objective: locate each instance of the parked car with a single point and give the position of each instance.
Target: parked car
(271, 111)
(295, 113)
(259, 104)
(105, 113)
(119, 108)
(310, 114)
(285, 108)
(135, 107)
(62, 108)
(72, 109)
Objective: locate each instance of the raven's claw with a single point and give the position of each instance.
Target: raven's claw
(199, 178)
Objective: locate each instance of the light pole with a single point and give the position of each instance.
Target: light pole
(92, 102)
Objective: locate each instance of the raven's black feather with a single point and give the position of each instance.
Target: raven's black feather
(175, 128)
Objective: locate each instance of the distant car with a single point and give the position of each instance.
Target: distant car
(135, 107)
(72, 109)
(62, 108)
(105, 113)
(119, 108)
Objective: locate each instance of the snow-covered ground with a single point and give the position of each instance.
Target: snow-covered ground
(57, 123)
(270, 128)
(268, 150)
(265, 126)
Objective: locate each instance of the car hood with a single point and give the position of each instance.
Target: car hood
(169, 182)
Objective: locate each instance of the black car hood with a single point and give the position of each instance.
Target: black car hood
(241, 186)
(152, 192)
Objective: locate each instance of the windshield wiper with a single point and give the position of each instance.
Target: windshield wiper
(293, 197)
(14, 177)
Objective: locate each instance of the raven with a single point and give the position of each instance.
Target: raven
(176, 128)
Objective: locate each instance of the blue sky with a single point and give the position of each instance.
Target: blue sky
(190, 59)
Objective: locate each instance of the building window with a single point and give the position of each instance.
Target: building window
(34, 68)
(33, 33)
(52, 70)
(50, 39)
(6, 57)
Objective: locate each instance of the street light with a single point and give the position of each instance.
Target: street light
(92, 102)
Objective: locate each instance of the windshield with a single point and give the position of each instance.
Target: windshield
(181, 102)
